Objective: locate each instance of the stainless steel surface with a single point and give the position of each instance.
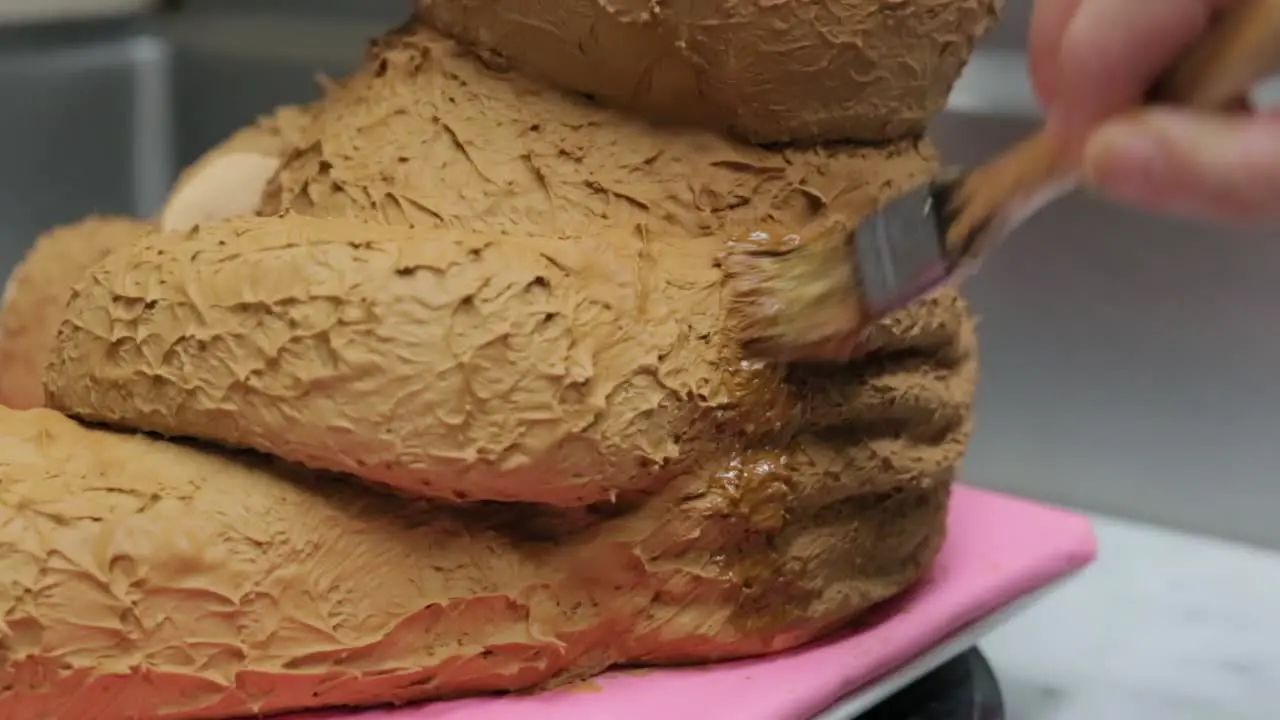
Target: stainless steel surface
(1128, 361)
(85, 128)
(31, 12)
(1011, 33)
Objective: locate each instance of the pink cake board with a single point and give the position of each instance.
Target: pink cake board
(999, 549)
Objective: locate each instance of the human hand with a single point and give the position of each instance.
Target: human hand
(1093, 60)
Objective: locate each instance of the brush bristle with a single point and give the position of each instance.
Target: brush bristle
(792, 299)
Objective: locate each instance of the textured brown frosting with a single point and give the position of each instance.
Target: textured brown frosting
(423, 135)
(783, 71)
(228, 180)
(527, 368)
(145, 579)
(560, 368)
(37, 292)
(505, 304)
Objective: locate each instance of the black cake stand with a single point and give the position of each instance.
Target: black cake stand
(963, 688)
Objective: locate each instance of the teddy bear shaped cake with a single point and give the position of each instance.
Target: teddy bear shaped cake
(430, 388)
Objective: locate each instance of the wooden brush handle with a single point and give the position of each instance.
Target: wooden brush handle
(1239, 49)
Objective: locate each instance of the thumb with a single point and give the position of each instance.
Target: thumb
(1186, 162)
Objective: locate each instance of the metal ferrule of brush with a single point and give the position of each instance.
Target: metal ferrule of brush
(901, 253)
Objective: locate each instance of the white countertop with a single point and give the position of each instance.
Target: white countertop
(1163, 626)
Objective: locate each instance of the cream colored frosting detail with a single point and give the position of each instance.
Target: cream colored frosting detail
(228, 180)
(228, 185)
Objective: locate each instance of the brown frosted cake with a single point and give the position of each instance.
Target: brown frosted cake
(456, 406)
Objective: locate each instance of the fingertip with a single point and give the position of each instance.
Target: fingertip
(1111, 53)
(1190, 163)
(1125, 160)
(1049, 21)
(1082, 86)
(1069, 147)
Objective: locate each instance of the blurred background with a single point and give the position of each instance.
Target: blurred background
(1130, 364)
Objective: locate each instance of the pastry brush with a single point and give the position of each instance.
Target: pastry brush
(810, 298)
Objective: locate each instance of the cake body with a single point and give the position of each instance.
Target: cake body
(147, 579)
(462, 410)
(556, 306)
(794, 71)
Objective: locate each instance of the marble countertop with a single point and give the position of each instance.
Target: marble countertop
(1163, 625)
